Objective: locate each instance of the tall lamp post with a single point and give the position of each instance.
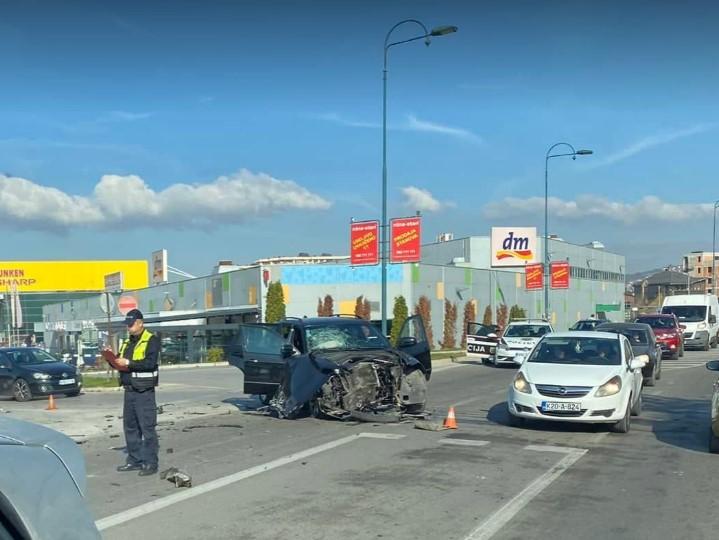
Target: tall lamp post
(574, 153)
(714, 241)
(425, 35)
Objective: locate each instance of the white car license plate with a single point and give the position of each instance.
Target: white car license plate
(67, 381)
(561, 406)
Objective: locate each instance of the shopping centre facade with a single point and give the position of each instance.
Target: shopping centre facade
(193, 316)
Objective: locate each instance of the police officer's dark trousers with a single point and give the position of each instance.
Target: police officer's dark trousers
(140, 421)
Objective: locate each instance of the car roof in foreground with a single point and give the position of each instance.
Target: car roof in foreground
(583, 334)
(9, 349)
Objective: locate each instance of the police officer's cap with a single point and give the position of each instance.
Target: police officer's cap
(132, 316)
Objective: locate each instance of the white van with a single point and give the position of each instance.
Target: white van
(697, 313)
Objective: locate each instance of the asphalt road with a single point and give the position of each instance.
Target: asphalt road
(257, 477)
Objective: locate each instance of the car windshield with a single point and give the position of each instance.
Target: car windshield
(527, 330)
(31, 357)
(577, 351)
(476, 329)
(657, 322)
(687, 313)
(634, 335)
(585, 325)
(345, 337)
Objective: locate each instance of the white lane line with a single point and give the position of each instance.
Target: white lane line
(463, 442)
(159, 504)
(551, 448)
(494, 523)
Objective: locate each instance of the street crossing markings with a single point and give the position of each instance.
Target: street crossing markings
(159, 504)
(463, 442)
(494, 523)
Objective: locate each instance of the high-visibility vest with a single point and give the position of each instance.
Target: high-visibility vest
(140, 380)
(138, 353)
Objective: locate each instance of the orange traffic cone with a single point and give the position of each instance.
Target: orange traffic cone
(451, 421)
(51, 403)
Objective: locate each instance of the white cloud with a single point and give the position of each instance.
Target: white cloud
(648, 208)
(422, 200)
(125, 116)
(412, 123)
(652, 141)
(415, 124)
(128, 200)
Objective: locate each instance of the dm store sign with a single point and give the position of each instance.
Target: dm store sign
(513, 246)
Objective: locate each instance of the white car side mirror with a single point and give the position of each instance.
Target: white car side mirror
(520, 358)
(639, 362)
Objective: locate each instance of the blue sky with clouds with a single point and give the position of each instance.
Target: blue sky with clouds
(245, 129)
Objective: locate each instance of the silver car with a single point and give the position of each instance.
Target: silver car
(42, 485)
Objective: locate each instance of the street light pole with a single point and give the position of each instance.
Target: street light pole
(574, 153)
(426, 34)
(714, 240)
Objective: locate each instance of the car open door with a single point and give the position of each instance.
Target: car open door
(413, 341)
(259, 351)
(482, 340)
(6, 375)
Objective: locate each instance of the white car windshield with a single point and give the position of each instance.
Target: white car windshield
(577, 351)
(527, 330)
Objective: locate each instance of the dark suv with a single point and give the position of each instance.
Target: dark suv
(336, 364)
(669, 333)
(642, 339)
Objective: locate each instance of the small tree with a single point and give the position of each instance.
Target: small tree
(328, 306)
(367, 310)
(469, 316)
(517, 312)
(399, 315)
(487, 318)
(359, 307)
(502, 314)
(424, 309)
(450, 325)
(320, 308)
(276, 309)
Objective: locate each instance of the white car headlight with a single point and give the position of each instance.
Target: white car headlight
(702, 326)
(609, 388)
(40, 376)
(521, 384)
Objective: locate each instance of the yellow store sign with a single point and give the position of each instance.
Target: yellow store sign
(60, 276)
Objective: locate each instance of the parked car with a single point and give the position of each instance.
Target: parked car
(39, 463)
(519, 336)
(714, 425)
(698, 313)
(668, 331)
(591, 377)
(27, 372)
(641, 338)
(482, 340)
(586, 325)
(338, 367)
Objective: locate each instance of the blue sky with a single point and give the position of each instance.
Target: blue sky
(238, 130)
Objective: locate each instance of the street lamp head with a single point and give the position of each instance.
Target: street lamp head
(584, 152)
(443, 30)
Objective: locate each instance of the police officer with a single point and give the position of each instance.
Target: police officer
(140, 355)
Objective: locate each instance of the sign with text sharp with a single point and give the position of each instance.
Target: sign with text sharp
(513, 246)
(534, 276)
(559, 275)
(364, 243)
(405, 239)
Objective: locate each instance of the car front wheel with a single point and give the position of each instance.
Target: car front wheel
(21, 390)
(713, 442)
(624, 424)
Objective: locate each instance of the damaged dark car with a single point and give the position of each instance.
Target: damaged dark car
(337, 367)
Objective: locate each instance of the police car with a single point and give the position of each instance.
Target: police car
(520, 336)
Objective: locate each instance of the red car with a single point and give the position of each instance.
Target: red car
(668, 331)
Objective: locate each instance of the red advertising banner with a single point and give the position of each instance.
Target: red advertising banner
(364, 243)
(559, 272)
(534, 276)
(405, 239)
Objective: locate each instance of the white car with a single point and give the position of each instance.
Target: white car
(587, 377)
(519, 337)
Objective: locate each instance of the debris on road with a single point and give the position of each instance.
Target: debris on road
(429, 426)
(176, 476)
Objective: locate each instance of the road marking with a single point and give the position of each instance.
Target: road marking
(494, 523)
(463, 442)
(159, 504)
(468, 401)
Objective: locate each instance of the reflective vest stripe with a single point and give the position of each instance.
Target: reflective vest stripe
(144, 374)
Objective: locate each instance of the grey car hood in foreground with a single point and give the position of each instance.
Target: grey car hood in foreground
(42, 482)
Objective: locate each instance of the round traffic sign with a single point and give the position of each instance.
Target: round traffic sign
(126, 303)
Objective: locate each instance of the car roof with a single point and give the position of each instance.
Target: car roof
(625, 326)
(10, 349)
(583, 334)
